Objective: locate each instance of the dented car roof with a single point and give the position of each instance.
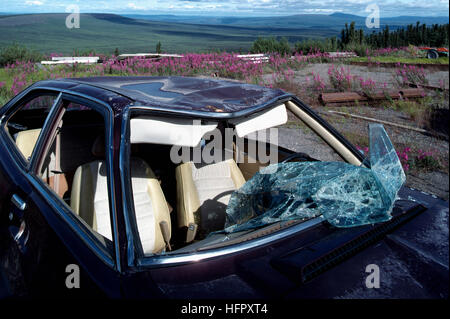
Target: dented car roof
(178, 94)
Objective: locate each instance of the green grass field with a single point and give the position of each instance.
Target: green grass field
(104, 32)
(394, 59)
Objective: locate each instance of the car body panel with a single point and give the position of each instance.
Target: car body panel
(50, 242)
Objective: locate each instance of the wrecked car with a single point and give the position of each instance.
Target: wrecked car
(178, 187)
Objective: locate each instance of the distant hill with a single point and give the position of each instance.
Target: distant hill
(132, 33)
(105, 32)
(335, 21)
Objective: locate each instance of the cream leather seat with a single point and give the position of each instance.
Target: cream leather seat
(203, 192)
(26, 140)
(89, 200)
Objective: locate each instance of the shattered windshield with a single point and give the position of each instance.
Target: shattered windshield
(345, 195)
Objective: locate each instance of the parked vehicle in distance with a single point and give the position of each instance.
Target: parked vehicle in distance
(434, 53)
(167, 187)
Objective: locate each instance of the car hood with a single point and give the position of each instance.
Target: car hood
(413, 258)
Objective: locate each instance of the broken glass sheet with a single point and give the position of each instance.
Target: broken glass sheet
(346, 195)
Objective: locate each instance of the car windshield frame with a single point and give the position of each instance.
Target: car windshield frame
(136, 256)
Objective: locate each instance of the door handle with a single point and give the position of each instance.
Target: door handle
(19, 229)
(20, 235)
(19, 202)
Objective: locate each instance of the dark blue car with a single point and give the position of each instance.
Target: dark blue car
(167, 187)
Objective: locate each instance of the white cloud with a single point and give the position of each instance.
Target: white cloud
(137, 5)
(34, 3)
(133, 6)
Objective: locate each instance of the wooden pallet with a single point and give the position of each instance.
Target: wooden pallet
(354, 97)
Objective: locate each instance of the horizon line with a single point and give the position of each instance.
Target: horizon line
(218, 16)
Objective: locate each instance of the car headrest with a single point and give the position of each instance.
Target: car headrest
(98, 148)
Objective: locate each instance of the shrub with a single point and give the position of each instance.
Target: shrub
(271, 45)
(360, 49)
(158, 47)
(368, 87)
(422, 160)
(410, 74)
(426, 160)
(340, 78)
(318, 83)
(16, 52)
(314, 46)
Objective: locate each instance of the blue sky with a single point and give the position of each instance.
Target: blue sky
(233, 7)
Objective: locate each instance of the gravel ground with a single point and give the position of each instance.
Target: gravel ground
(378, 74)
(436, 182)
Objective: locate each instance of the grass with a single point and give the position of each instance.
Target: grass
(357, 139)
(295, 123)
(3, 100)
(418, 111)
(394, 59)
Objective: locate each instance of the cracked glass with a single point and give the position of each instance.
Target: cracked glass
(344, 194)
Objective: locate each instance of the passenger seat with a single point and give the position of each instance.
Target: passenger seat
(203, 192)
(89, 200)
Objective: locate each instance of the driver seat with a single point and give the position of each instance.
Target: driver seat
(203, 193)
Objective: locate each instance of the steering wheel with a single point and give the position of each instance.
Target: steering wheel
(302, 156)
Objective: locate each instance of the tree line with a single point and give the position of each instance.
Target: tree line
(352, 39)
(434, 35)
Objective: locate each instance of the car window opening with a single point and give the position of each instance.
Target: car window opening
(25, 125)
(74, 167)
(198, 203)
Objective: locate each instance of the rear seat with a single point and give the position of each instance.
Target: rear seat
(26, 140)
(89, 200)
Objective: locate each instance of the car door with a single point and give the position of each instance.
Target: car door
(16, 148)
(46, 250)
